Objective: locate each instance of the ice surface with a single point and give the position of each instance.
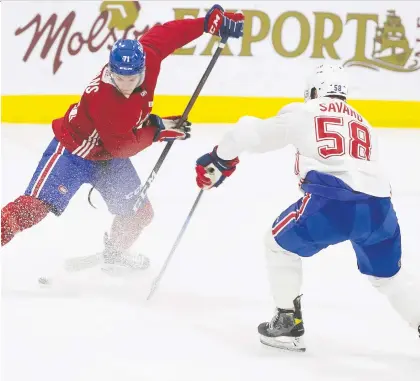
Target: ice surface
(201, 323)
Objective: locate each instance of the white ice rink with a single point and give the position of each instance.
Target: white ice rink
(202, 323)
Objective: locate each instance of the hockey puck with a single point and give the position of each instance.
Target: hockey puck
(44, 281)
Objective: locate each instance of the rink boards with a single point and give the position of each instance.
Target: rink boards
(58, 47)
(42, 109)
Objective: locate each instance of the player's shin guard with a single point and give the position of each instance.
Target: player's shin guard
(285, 330)
(126, 230)
(21, 214)
(403, 292)
(284, 273)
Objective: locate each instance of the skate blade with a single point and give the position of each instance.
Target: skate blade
(294, 344)
(122, 271)
(83, 263)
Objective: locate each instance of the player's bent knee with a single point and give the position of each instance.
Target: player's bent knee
(21, 214)
(383, 284)
(379, 282)
(270, 242)
(272, 246)
(29, 211)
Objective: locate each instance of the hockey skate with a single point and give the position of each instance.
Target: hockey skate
(111, 260)
(285, 330)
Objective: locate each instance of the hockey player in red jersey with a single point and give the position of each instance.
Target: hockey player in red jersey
(112, 122)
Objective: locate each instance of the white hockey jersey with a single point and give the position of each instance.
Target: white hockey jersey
(329, 135)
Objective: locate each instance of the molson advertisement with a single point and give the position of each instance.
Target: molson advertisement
(59, 46)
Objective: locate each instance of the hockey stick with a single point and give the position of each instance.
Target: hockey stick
(162, 157)
(175, 245)
(184, 117)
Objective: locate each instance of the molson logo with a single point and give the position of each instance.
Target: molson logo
(115, 20)
(392, 49)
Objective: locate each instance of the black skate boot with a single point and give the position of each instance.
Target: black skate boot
(285, 330)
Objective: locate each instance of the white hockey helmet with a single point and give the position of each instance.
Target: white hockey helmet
(327, 80)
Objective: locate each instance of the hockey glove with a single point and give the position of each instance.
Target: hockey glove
(212, 170)
(223, 24)
(166, 128)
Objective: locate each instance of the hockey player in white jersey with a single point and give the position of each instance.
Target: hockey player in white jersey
(346, 197)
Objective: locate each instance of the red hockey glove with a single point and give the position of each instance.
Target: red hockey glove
(224, 24)
(212, 170)
(166, 128)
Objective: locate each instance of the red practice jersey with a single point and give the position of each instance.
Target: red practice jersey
(105, 124)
